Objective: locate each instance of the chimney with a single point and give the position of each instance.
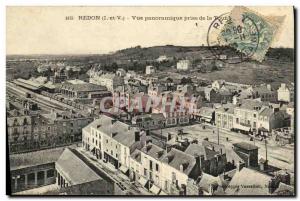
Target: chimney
(181, 167)
(272, 185)
(137, 136)
(169, 136)
(170, 158)
(159, 154)
(113, 134)
(148, 147)
(143, 138)
(197, 158)
(240, 166)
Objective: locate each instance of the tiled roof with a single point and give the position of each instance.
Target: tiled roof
(123, 133)
(74, 169)
(248, 182)
(175, 158)
(266, 112)
(18, 161)
(84, 87)
(136, 155)
(154, 116)
(194, 149)
(284, 189)
(207, 181)
(206, 111)
(251, 104)
(228, 108)
(245, 145)
(153, 150)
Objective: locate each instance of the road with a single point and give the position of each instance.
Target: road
(281, 157)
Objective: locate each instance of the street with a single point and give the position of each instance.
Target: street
(281, 157)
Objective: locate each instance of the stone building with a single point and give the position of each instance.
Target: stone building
(83, 90)
(33, 169)
(76, 177)
(112, 141)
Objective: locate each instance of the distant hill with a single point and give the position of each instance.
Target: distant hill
(151, 53)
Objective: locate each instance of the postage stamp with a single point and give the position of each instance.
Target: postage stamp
(243, 38)
(247, 32)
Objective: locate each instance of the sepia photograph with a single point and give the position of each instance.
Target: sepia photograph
(154, 101)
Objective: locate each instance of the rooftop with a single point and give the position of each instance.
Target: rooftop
(153, 150)
(24, 160)
(83, 87)
(249, 182)
(123, 133)
(245, 145)
(194, 149)
(74, 169)
(175, 158)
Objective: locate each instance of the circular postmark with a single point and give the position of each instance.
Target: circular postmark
(232, 41)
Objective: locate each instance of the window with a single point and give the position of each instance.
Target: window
(25, 121)
(145, 172)
(50, 173)
(151, 165)
(106, 141)
(173, 177)
(111, 152)
(254, 115)
(166, 185)
(157, 167)
(237, 120)
(150, 176)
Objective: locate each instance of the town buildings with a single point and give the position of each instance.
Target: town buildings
(112, 140)
(150, 70)
(285, 93)
(109, 80)
(183, 65)
(77, 89)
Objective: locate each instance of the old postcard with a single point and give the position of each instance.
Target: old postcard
(150, 101)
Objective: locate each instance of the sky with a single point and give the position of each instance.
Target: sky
(45, 30)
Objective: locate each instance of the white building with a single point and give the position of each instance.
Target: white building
(285, 94)
(183, 65)
(112, 141)
(150, 70)
(109, 80)
(162, 58)
(163, 172)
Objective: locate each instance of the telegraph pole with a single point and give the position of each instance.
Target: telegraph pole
(266, 147)
(218, 135)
